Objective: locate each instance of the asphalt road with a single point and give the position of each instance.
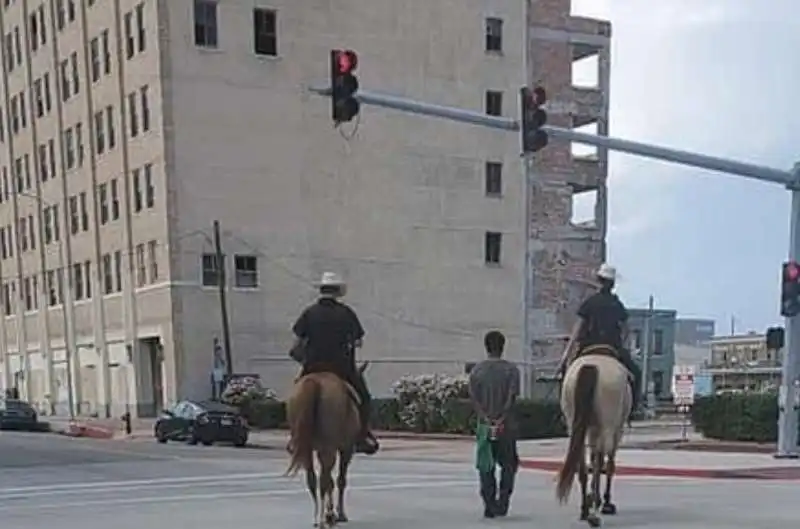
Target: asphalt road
(52, 481)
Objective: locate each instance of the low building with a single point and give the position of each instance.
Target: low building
(662, 346)
(743, 363)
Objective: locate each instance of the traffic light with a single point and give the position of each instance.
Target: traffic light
(344, 85)
(534, 118)
(775, 338)
(790, 289)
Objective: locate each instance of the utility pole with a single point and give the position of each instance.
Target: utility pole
(219, 257)
(647, 346)
(789, 395)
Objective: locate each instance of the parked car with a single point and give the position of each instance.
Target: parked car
(205, 422)
(17, 415)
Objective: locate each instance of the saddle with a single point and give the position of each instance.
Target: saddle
(606, 350)
(351, 391)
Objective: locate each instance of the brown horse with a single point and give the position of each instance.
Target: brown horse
(596, 400)
(323, 420)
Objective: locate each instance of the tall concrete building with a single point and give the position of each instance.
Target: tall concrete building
(129, 126)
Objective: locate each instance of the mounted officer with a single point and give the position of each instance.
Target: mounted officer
(328, 333)
(603, 321)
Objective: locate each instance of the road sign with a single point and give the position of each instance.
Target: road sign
(683, 385)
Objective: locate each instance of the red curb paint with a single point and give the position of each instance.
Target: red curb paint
(766, 473)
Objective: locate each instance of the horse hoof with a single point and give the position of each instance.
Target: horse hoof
(593, 520)
(342, 518)
(584, 516)
(609, 508)
(330, 519)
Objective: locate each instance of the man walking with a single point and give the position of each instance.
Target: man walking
(493, 389)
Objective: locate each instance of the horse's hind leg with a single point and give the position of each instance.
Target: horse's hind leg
(345, 457)
(311, 483)
(583, 477)
(608, 505)
(327, 460)
(597, 468)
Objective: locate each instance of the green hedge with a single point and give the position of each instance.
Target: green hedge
(537, 419)
(749, 417)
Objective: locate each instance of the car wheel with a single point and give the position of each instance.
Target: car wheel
(160, 437)
(240, 442)
(207, 443)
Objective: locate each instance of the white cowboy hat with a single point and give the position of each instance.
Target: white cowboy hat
(606, 271)
(330, 279)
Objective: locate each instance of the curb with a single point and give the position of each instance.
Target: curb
(767, 473)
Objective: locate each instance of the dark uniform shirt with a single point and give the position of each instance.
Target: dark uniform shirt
(604, 315)
(330, 328)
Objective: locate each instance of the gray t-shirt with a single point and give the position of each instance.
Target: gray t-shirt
(491, 383)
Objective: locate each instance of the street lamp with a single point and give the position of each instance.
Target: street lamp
(65, 285)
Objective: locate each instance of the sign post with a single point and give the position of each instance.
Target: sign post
(683, 389)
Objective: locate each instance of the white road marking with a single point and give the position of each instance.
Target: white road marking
(226, 495)
(17, 493)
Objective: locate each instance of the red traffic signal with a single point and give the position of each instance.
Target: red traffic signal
(346, 61)
(791, 271)
(538, 96)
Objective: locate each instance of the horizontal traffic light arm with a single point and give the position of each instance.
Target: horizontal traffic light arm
(724, 165)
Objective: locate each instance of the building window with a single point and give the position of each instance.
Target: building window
(112, 134)
(246, 270)
(106, 52)
(494, 178)
(108, 277)
(52, 292)
(114, 199)
(94, 53)
(77, 278)
(141, 267)
(76, 82)
(79, 152)
(74, 219)
(136, 183)
(658, 342)
(130, 44)
(153, 256)
(132, 115)
(149, 188)
(102, 199)
(118, 271)
(99, 133)
(84, 212)
(494, 34)
(140, 30)
(265, 32)
(494, 103)
(87, 267)
(493, 247)
(205, 23)
(211, 270)
(145, 101)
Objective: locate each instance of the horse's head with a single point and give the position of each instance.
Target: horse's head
(363, 367)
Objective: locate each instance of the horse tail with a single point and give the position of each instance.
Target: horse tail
(585, 389)
(306, 404)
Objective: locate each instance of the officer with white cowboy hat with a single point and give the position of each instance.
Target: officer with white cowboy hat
(603, 320)
(329, 332)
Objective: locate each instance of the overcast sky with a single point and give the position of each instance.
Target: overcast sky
(716, 77)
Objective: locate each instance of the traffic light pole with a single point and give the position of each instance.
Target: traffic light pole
(789, 393)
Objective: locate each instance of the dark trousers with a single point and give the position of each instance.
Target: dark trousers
(352, 376)
(496, 496)
(627, 360)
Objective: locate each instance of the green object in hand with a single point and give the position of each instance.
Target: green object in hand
(484, 460)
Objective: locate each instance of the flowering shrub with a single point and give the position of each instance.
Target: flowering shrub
(245, 390)
(425, 400)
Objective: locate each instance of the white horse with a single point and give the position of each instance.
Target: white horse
(596, 400)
